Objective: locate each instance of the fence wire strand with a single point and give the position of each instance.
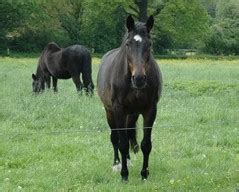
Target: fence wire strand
(101, 130)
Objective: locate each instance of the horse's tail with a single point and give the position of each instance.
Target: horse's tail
(132, 132)
(87, 73)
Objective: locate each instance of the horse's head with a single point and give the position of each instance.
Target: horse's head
(36, 84)
(137, 46)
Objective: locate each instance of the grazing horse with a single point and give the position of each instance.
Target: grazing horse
(129, 83)
(63, 63)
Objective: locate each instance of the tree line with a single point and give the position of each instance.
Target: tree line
(210, 26)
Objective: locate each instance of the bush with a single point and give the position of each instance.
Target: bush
(224, 34)
(31, 41)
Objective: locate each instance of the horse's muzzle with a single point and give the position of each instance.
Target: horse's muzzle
(139, 81)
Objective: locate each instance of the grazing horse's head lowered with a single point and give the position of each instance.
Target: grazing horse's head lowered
(64, 63)
(137, 45)
(36, 84)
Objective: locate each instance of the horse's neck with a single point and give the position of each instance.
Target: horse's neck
(39, 72)
(122, 61)
(56, 55)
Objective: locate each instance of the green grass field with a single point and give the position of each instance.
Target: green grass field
(61, 142)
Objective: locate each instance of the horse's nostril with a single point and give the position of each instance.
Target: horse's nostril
(139, 80)
(139, 77)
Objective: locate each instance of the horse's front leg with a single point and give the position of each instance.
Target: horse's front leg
(48, 81)
(114, 137)
(120, 118)
(87, 83)
(146, 144)
(42, 84)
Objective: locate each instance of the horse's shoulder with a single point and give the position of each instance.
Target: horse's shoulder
(52, 47)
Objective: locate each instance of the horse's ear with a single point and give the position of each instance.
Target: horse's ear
(150, 23)
(130, 23)
(34, 77)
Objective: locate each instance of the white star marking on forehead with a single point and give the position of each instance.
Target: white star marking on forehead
(138, 38)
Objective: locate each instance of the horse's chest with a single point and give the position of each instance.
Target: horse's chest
(136, 100)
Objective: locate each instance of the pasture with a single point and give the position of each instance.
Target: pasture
(61, 142)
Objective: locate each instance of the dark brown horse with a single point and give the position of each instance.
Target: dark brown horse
(129, 84)
(63, 63)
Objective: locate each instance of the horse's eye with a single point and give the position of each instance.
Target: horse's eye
(127, 43)
(148, 46)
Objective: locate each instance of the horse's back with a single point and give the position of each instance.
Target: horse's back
(76, 50)
(53, 47)
(77, 55)
(63, 63)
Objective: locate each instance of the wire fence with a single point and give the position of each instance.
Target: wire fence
(103, 130)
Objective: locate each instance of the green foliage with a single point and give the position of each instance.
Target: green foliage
(10, 17)
(70, 18)
(182, 24)
(104, 28)
(100, 25)
(224, 33)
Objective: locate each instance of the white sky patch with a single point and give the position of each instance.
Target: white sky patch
(138, 38)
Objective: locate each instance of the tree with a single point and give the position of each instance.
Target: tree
(210, 6)
(103, 25)
(70, 16)
(183, 23)
(100, 25)
(142, 8)
(224, 33)
(41, 26)
(10, 17)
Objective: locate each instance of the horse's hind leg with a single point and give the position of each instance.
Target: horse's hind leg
(114, 140)
(77, 81)
(146, 144)
(86, 75)
(54, 82)
(131, 124)
(88, 83)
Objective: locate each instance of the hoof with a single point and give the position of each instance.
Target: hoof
(117, 167)
(144, 178)
(125, 179)
(145, 174)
